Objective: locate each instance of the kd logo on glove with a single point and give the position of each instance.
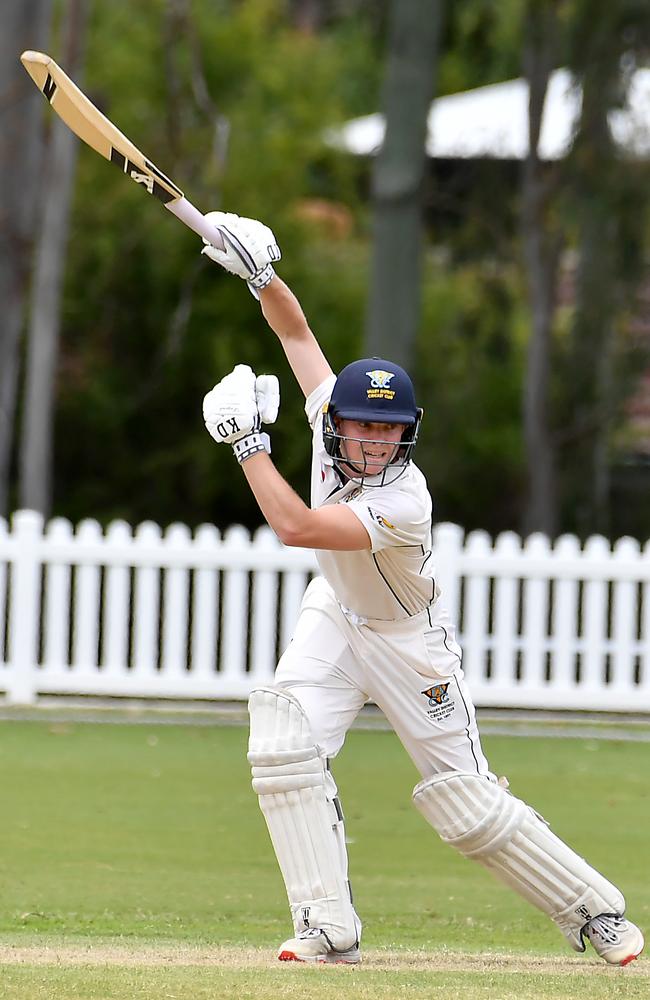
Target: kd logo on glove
(227, 427)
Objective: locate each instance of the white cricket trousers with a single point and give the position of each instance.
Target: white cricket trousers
(411, 669)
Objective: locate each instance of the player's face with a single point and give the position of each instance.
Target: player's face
(372, 447)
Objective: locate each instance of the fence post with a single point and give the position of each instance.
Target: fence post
(447, 548)
(24, 607)
(235, 613)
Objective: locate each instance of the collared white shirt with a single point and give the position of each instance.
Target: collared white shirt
(394, 579)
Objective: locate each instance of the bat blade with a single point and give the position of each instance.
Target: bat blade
(97, 131)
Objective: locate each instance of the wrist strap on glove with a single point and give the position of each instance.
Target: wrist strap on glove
(260, 280)
(251, 444)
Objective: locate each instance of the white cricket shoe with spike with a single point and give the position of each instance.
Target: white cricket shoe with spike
(313, 945)
(616, 939)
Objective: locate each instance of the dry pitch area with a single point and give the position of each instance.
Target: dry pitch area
(172, 954)
(114, 970)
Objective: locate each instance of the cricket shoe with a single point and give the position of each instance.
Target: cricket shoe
(616, 939)
(313, 945)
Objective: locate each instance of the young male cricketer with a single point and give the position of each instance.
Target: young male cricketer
(372, 626)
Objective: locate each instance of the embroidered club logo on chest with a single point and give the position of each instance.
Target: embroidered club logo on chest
(380, 384)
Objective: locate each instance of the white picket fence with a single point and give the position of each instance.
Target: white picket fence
(147, 614)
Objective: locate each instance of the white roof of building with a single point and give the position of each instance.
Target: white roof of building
(493, 122)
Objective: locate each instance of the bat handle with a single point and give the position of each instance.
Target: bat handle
(187, 213)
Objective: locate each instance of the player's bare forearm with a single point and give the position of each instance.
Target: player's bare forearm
(296, 524)
(284, 315)
(282, 311)
(282, 507)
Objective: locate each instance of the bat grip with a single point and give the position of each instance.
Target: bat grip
(185, 211)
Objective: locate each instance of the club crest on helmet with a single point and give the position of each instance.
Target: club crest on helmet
(380, 384)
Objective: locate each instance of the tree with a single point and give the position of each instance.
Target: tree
(35, 460)
(542, 240)
(25, 25)
(394, 302)
(148, 324)
(609, 202)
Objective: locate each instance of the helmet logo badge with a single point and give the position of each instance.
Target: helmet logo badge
(380, 384)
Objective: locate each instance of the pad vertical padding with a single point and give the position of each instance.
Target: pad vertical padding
(289, 778)
(485, 822)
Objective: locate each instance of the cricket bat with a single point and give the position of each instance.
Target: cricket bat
(86, 121)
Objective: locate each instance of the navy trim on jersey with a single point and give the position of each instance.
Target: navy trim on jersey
(433, 581)
(409, 613)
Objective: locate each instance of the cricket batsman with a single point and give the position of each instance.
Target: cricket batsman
(372, 626)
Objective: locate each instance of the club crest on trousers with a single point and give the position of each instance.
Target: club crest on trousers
(437, 694)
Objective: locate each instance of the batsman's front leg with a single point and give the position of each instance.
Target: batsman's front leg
(306, 828)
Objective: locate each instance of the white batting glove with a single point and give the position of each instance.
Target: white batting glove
(267, 393)
(250, 248)
(234, 408)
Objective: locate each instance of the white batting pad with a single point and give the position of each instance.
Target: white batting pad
(485, 822)
(289, 776)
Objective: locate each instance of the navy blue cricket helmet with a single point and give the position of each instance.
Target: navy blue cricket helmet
(372, 390)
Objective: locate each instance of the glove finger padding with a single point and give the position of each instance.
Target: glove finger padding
(267, 393)
(250, 248)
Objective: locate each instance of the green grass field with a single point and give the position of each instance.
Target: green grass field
(134, 862)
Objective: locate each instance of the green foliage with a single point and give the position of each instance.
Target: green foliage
(470, 365)
(149, 326)
(231, 100)
(605, 205)
(466, 60)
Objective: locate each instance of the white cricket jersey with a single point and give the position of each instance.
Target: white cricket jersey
(394, 579)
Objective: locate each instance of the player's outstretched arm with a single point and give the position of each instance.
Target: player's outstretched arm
(250, 252)
(284, 315)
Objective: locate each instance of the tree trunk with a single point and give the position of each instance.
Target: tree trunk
(394, 305)
(25, 24)
(594, 389)
(309, 15)
(599, 178)
(541, 253)
(36, 450)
